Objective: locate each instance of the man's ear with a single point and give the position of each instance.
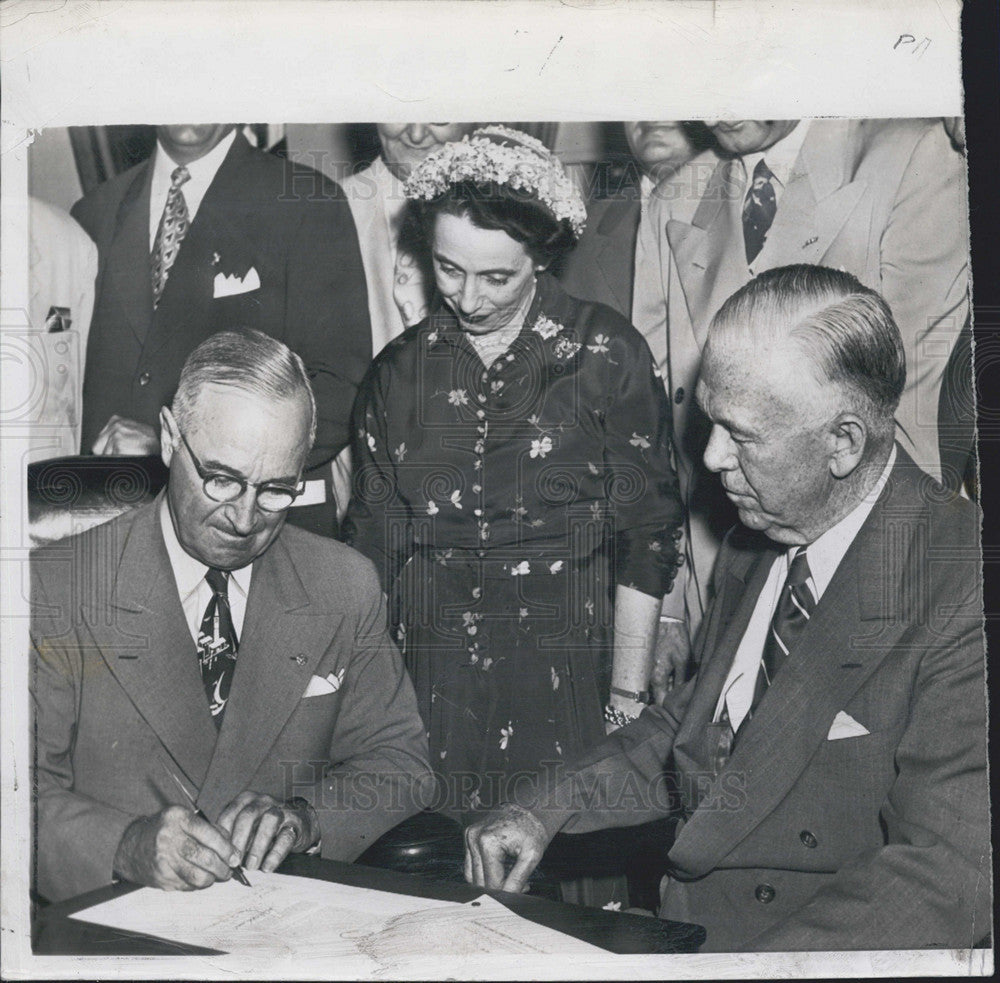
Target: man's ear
(850, 437)
(169, 435)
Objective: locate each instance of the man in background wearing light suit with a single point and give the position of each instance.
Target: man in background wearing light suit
(884, 200)
(198, 649)
(828, 760)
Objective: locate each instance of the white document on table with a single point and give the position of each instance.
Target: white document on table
(285, 914)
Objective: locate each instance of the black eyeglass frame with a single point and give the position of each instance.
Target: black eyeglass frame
(208, 476)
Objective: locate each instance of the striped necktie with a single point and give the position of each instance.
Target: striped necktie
(170, 232)
(795, 607)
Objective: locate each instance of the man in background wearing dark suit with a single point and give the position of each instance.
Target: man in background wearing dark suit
(828, 760)
(197, 648)
(212, 234)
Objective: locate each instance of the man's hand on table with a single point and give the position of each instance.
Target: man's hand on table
(264, 831)
(174, 850)
(508, 833)
(124, 437)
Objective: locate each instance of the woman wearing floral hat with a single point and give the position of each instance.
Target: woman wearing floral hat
(513, 482)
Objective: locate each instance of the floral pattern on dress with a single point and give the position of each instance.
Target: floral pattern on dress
(500, 483)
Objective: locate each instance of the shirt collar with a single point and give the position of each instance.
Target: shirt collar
(202, 171)
(826, 552)
(781, 156)
(189, 572)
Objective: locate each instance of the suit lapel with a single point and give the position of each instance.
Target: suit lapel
(128, 265)
(159, 669)
(854, 628)
(285, 636)
(708, 251)
(817, 201)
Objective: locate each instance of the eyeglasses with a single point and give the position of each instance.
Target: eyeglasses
(272, 496)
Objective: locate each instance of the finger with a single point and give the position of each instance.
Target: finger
(228, 815)
(267, 828)
(214, 841)
(100, 445)
(467, 870)
(476, 858)
(245, 826)
(281, 846)
(494, 854)
(200, 866)
(527, 861)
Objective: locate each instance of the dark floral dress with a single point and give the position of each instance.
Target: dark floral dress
(501, 506)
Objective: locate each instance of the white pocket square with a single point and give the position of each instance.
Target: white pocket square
(844, 725)
(322, 685)
(230, 286)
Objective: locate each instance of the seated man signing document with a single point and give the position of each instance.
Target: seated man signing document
(211, 687)
(828, 760)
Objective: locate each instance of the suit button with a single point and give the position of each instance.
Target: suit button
(808, 839)
(679, 395)
(144, 379)
(764, 893)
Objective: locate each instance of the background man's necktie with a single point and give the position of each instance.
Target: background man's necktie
(170, 233)
(758, 210)
(217, 645)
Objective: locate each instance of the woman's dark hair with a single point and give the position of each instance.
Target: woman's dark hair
(498, 206)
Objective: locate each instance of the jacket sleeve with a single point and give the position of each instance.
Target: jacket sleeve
(622, 781)
(326, 315)
(929, 885)
(924, 277)
(76, 837)
(379, 772)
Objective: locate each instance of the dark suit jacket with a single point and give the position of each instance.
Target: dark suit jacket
(289, 223)
(798, 841)
(601, 266)
(118, 701)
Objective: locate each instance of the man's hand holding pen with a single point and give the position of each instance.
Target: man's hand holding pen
(178, 849)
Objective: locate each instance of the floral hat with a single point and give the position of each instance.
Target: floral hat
(501, 155)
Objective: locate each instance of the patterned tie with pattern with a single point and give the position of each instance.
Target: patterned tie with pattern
(174, 223)
(217, 645)
(758, 210)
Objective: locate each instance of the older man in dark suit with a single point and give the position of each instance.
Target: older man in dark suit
(211, 234)
(197, 648)
(828, 761)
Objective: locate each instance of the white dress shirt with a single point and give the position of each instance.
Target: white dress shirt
(192, 587)
(202, 173)
(825, 555)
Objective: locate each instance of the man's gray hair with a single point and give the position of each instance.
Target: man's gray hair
(845, 328)
(248, 360)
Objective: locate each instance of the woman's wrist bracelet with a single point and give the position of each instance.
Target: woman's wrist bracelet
(636, 696)
(617, 717)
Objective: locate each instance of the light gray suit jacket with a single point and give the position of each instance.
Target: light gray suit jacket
(118, 701)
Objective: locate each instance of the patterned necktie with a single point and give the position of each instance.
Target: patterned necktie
(170, 233)
(217, 645)
(758, 210)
